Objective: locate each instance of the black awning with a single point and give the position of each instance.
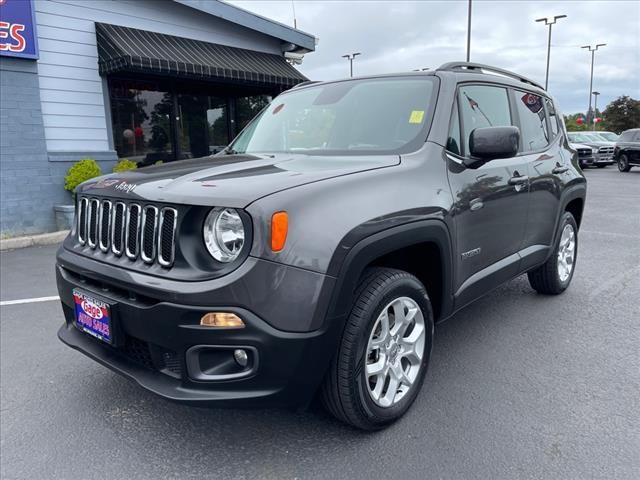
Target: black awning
(123, 49)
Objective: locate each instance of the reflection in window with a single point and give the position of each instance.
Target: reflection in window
(483, 106)
(141, 123)
(533, 125)
(249, 107)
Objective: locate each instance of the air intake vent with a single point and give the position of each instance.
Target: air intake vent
(133, 231)
(166, 237)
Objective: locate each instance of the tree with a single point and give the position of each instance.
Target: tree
(622, 114)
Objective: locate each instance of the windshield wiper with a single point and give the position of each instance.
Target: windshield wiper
(229, 151)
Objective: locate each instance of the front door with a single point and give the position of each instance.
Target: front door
(490, 202)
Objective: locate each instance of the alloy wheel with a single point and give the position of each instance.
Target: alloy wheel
(395, 351)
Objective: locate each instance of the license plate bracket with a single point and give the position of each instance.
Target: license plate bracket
(93, 316)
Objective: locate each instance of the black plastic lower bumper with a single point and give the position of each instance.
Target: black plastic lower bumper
(160, 346)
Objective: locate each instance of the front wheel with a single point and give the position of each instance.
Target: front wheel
(384, 351)
(554, 276)
(623, 163)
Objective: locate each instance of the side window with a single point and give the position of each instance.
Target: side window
(533, 125)
(453, 141)
(637, 136)
(482, 106)
(553, 118)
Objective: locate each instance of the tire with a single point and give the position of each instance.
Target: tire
(623, 163)
(552, 277)
(348, 392)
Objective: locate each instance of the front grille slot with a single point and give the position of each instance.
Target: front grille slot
(105, 225)
(141, 232)
(132, 231)
(148, 240)
(166, 236)
(117, 232)
(94, 206)
(83, 206)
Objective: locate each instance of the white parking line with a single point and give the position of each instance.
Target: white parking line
(28, 300)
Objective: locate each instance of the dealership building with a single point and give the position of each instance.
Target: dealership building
(146, 80)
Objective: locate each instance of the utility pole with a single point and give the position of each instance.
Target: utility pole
(595, 110)
(350, 57)
(593, 53)
(549, 21)
(469, 32)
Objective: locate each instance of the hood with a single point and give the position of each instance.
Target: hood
(579, 145)
(229, 180)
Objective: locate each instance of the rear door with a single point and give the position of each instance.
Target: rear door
(490, 202)
(543, 149)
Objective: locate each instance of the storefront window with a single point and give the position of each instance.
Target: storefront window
(142, 122)
(203, 127)
(166, 120)
(249, 107)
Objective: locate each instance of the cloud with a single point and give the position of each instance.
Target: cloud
(399, 35)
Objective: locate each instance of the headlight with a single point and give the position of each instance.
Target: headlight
(224, 234)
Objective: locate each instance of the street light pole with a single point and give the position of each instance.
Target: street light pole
(549, 21)
(350, 57)
(593, 53)
(469, 32)
(595, 110)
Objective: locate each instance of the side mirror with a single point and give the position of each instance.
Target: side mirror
(491, 143)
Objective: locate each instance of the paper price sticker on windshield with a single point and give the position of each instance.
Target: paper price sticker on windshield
(416, 116)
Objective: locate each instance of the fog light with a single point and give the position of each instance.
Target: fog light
(241, 357)
(221, 320)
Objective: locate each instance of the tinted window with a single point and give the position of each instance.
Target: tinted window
(364, 116)
(553, 118)
(637, 136)
(483, 106)
(453, 142)
(533, 124)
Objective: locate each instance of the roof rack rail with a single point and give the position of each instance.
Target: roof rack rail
(458, 66)
(308, 82)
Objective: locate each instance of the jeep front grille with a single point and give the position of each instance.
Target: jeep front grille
(144, 232)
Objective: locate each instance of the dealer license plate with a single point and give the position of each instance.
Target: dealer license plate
(93, 316)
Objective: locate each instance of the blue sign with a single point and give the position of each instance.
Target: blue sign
(18, 29)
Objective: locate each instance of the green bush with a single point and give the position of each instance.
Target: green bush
(81, 171)
(124, 165)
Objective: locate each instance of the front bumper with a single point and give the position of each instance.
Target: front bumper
(159, 344)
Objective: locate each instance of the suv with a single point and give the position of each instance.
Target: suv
(627, 151)
(602, 149)
(318, 250)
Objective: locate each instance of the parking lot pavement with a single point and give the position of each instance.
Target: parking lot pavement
(520, 386)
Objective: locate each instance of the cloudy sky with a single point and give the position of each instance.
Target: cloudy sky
(398, 35)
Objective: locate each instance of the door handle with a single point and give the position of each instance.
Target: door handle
(519, 180)
(559, 169)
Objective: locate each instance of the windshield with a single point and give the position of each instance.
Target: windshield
(584, 137)
(608, 136)
(383, 115)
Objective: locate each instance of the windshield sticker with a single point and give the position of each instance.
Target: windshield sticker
(416, 116)
(278, 108)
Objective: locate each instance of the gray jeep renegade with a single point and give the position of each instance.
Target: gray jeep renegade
(315, 254)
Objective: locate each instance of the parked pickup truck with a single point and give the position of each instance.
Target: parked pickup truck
(316, 252)
(627, 151)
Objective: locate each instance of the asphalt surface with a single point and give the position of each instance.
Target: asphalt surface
(520, 386)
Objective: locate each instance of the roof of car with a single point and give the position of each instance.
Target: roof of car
(461, 71)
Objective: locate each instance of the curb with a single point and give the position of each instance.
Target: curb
(33, 240)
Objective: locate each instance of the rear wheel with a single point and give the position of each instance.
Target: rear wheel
(623, 163)
(384, 351)
(554, 276)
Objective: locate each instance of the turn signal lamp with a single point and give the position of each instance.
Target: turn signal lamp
(221, 320)
(279, 230)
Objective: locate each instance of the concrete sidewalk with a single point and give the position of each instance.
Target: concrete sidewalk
(33, 240)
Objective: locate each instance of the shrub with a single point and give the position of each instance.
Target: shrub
(124, 165)
(81, 171)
